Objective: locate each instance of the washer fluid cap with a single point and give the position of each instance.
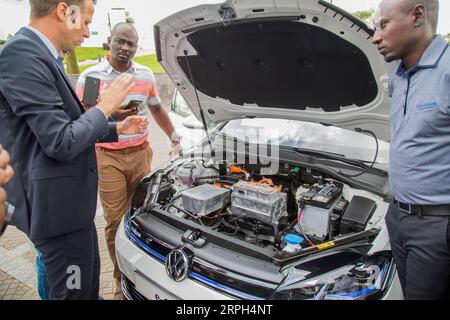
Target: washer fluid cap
(293, 239)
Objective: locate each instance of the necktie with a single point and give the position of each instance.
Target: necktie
(60, 63)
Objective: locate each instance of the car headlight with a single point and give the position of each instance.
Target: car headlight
(368, 279)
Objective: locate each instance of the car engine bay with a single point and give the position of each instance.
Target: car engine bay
(294, 209)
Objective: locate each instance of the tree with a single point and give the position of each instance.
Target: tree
(7, 38)
(365, 15)
(72, 63)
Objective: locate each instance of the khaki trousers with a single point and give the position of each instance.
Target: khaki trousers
(119, 174)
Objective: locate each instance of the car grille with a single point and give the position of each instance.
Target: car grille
(130, 291)
(201, 274)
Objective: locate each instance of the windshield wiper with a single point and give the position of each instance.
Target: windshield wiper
(334, 156)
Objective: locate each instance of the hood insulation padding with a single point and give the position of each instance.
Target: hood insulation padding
(280, 64)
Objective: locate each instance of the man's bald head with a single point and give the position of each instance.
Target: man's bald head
(123, 26)
(407, 6)
(405, 29)
(123, 43)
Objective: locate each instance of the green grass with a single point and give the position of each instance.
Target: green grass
(82, 68)
(89, 53)
(149, 61)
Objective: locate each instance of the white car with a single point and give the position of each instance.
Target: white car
(186, 124)
(285, 197)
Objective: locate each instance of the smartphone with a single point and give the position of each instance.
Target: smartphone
(132, 104)
(91, 91)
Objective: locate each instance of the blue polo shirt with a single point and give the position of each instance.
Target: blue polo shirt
(420, 120)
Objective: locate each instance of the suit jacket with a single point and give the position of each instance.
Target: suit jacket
(51, 141)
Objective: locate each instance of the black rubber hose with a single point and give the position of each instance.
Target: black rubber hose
(188, 213)
(209, 167)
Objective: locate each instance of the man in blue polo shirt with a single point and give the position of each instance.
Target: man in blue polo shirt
(418, 219)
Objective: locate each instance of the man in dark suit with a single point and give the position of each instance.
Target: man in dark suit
(51, 141)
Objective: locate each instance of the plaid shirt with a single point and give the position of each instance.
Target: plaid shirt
(145, 89)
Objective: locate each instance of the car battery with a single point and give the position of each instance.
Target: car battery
(323, 196)
(319, 201)
(204, 199)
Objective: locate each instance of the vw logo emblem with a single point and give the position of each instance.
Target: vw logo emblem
(177, 265)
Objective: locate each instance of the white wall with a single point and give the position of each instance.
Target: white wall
(13, 15)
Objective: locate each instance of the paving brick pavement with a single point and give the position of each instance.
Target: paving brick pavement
(13, 289)
(17, 265)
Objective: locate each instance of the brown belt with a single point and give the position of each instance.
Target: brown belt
(125, 150)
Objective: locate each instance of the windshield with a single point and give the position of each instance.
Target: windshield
(306, 135)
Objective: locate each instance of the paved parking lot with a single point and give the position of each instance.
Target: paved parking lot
(17, 253)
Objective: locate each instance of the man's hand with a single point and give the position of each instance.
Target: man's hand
(3, 196)
(6, 174)
(111, 98)
(176, 148)
(122, 113)
(132, 125)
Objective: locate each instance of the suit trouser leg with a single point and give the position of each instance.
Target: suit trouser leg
(421, 249)
(72, 264)
(119, 177)
(96, 266)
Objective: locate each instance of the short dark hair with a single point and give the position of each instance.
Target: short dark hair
(433, 12)
(41, 8)
(432, 7)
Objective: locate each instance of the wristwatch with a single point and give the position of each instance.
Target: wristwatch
(9, 211)
(174, 137)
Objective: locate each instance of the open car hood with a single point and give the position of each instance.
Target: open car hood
(301, 60)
